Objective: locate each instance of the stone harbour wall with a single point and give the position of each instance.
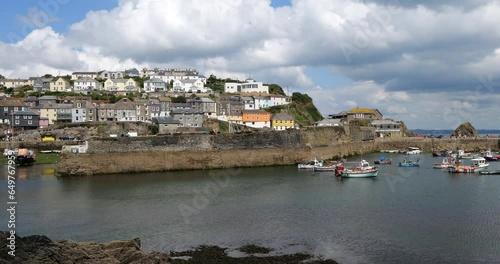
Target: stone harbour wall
(202, 151)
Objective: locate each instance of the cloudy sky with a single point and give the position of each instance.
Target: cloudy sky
(433, 64)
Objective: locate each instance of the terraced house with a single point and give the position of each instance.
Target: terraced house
(60, 85)
(282, 121)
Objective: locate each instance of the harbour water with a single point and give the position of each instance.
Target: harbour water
(405, 215)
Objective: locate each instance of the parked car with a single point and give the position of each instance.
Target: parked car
(67, 138)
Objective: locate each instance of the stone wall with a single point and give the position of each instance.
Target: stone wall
(201, 151)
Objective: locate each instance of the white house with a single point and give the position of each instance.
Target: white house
(249, 86)
(120, 85)
(189, 86)
(279, 100)
(13, 83)
(154, 85)
(262, 102)
(249, 103)
(76, 75)
(110, 74)
(86, 84)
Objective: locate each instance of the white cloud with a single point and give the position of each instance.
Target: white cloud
(405, 58)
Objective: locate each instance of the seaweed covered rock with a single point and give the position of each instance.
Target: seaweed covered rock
(40, 249)
(465, 130)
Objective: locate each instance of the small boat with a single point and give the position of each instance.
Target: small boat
(461, 169)
(442, 165)
(25, 157)
(412, 151)
(409, 163)
(444, 153)
(330, 167)
(383, 160)
(495, 172)
(489, 156)
(363, 170)
(310, 165)
(480, 164)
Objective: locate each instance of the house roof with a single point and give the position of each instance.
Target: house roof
(25, 113)
(281, 116)
(384, 122)
(186, 111)
(48, 97)
(174, 105)
(358, 110)
(155, 80)
(254, 112)
(10, 103)
(165, 120)
(85, 79)
(164, 99)
(84, 73)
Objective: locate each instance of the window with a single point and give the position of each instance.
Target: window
(17, 122)
(17, 117)
(25, 117)
(76, 111)
(30, 122)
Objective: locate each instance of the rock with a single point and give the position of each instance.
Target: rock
(40, 249)
(465, 130)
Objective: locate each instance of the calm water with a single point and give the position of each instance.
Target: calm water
(413, 215)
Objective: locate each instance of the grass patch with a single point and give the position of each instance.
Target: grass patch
(47, 158)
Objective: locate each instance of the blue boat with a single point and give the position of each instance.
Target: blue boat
(409, 163)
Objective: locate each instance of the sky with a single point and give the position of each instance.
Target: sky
(432, 64)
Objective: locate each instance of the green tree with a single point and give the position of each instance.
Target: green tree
(154, 129)
(2, 77)
(48, 75)
(178, 99)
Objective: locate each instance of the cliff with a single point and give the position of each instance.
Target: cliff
(465, 130)
(40, 249)
(302, 109)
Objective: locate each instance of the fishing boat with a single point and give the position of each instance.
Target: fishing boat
(23, 156)
(330, 167)
(383, 160)
(480, 164)
(442, 165)
(412, 151)
(363, 170)
(409, 163)
(461, 169)
(489, 156)
(310, 165)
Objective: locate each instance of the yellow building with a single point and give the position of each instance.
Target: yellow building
(49, 111)
(121, 85)
(60, 85)
(282, 122)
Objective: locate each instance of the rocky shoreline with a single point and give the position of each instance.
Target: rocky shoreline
(41, 249)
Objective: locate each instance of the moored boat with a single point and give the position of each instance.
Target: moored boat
(409, 163)
(412, 151)
(363, 170)
(310, 165)
(489, 156)
(382, 161)
(480, 164)
(461, 169)
(23, 156)
(442, 165)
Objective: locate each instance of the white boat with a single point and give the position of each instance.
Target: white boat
(363, 170)
(442, 165)
(480, 163)
(310, 165)
(412, 151)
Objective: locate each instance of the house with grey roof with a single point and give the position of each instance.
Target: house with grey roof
(86, 85)
(25, 120)
(166, 124)
(154, 85)
(188, 117)
(7, 107)
(205, 105)
(387, 128)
